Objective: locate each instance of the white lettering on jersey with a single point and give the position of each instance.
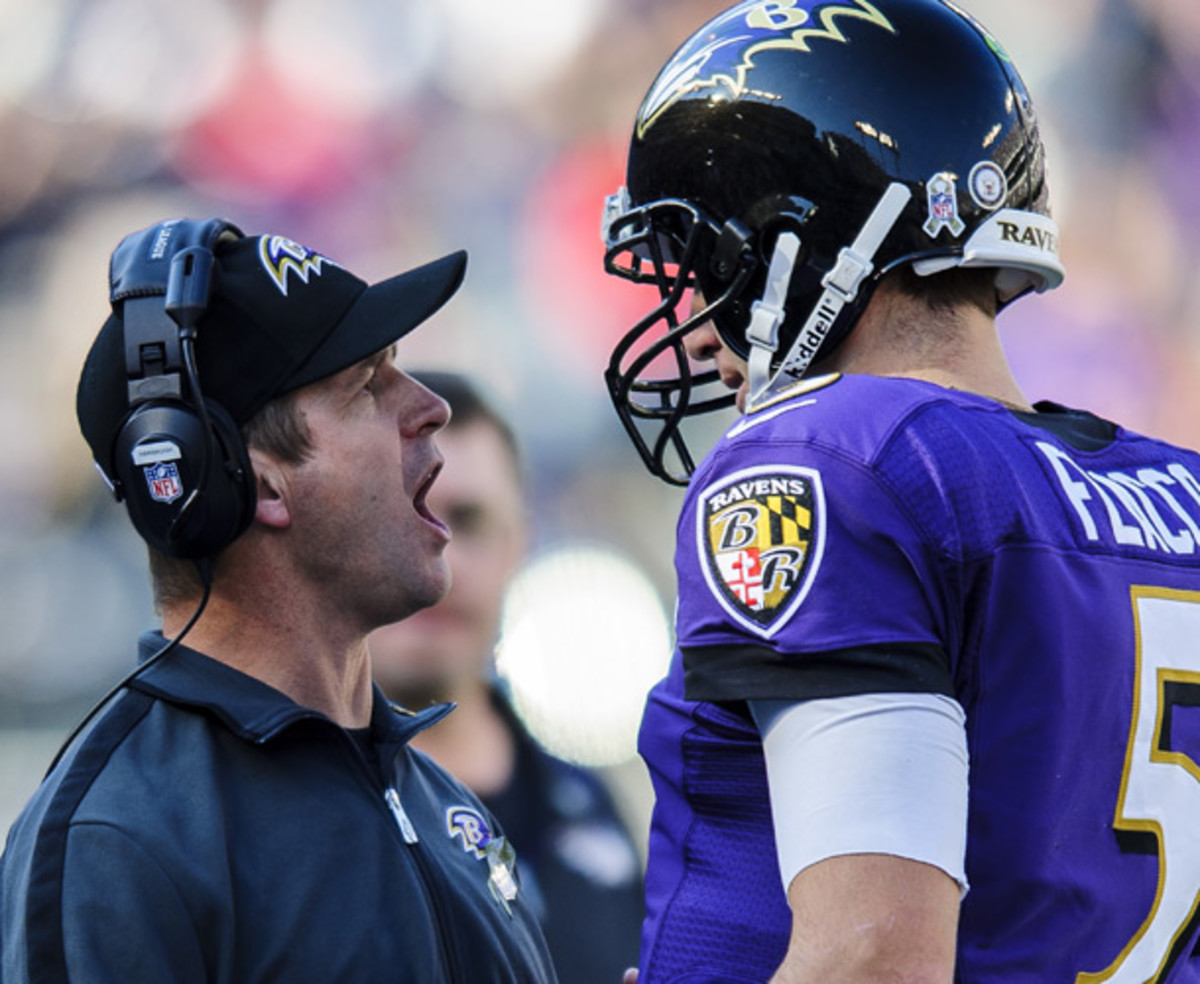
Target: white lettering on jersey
(1151, 508)
(755, 488)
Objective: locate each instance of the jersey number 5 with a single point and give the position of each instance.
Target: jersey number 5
(1160, 787)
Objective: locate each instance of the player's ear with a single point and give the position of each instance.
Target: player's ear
(273, 505)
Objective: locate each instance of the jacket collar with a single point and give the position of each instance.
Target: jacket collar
(249, 708)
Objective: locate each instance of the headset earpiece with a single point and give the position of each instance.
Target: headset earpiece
(178, 460)
(160, 460)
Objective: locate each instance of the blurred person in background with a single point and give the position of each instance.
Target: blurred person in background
(246, 807)
(932, 713)
(578, 860)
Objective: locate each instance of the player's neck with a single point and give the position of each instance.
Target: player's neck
(994, 386)
(960, 351)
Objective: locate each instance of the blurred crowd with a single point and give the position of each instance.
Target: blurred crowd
(386, 132)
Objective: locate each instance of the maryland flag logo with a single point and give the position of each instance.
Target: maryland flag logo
(760, 537)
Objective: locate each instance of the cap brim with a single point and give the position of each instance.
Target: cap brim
(384, 313)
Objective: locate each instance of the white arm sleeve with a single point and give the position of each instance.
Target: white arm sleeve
(869, 774)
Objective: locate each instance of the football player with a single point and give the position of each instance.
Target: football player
(933, 709)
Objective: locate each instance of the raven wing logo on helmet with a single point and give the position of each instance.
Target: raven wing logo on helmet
(281, 256)
(702, 63)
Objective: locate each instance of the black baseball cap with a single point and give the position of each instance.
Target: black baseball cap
(279, 316)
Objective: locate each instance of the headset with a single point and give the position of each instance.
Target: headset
(178, 460)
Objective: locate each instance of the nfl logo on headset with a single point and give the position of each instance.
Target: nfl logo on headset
(163, 481)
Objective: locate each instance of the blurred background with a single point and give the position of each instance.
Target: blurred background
(387, 132)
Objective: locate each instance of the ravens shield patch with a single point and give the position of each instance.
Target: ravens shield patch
(760, 535)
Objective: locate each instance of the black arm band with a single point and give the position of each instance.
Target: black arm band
(749, 672)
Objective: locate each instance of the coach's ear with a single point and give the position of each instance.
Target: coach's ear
(272, 507)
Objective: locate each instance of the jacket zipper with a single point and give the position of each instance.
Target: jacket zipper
(409, 833)
(407, 830)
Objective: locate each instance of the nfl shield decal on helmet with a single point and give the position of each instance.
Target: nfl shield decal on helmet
(942, 192)
(760, 534)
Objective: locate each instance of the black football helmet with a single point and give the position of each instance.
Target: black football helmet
(789, 155)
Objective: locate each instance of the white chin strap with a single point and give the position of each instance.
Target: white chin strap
(854, 265)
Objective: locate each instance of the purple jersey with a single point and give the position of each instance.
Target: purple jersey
(883, 535)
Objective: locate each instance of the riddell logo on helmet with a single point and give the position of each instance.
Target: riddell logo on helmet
(1029, 235)
(814, 333)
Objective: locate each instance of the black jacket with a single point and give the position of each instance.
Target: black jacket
(205, 828)
(581, 866)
